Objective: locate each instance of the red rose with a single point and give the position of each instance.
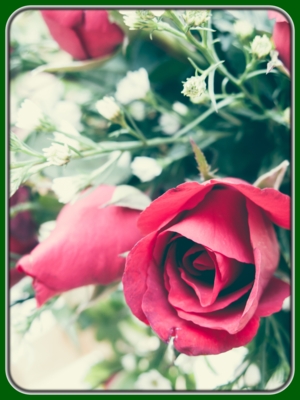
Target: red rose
(83, 33)
(84, 247)
(22, 235)
(204, 272)
(282, 37)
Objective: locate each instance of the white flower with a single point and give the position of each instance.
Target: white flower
(261, 46)
(196, 18)
(128, 362)
(180, 108)
(169, 123)
(134, 86)
(152, 380)
(108, 108)
(194, 87)
(139, 19)
(29, 116)
(57, 154)
(145, 168)
(45, 229)
(66, 188)
(243, 29)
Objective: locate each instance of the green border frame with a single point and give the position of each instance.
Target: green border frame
(10, 8)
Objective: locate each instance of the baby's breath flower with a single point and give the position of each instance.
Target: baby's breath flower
(66, 188)
(169, 123)
(152, 380)
(196, 18)
(29, 116)
(261, 46)
(134, 86)
(57, 154)
(145, 168)
(194, 87)
(180, 108)
(45, 229)
(243, 29)
(109, 109)
(139, 19)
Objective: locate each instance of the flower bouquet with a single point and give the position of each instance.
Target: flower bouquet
(150, 199)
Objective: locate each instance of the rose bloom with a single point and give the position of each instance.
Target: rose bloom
(22, 232)
(84, 34)
(282, 37)
(85, 246)
(204, 274)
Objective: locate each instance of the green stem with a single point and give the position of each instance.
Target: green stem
(206, 114)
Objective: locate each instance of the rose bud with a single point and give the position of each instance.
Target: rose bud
(85, 247)
(282, 37)
(22, 235)
(84, 34)
(204, 274)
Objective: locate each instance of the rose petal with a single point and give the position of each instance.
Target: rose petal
(134, 278)
(276, 204)
(99, 35)
(85, 246)
(168, 206)
(183, 296)
(214, 224)
(266, 254)
(282, 40)
(188, 195)
(272, 298)
(188, 337)
(61, 27)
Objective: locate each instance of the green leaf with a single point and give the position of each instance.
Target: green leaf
(128, 196)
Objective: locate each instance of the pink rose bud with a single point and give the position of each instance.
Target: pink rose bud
(84, 34)
(204, 274)
(282, 37)
(85, 246)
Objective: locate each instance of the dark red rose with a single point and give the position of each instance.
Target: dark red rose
(22, 232)
(204, 274)
(282, 37)
(85, 246)
(84, 34)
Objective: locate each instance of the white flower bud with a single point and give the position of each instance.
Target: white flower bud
(169, 123)
(109, 109)
(29, 116)
(145, 168)
(196, 18)
(57, 154)
(134, 86)
(194, 87)
(261, 46)
(180, 108)
(243, 29)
